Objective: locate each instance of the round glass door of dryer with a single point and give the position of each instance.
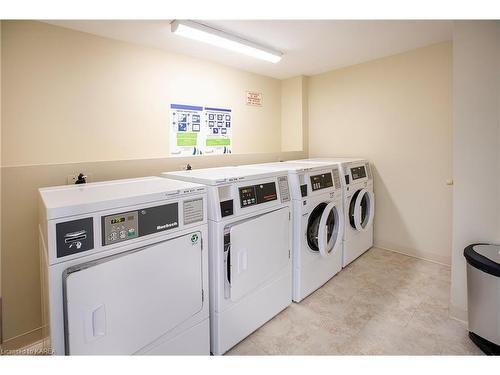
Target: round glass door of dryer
(361, 209)
(323, 228)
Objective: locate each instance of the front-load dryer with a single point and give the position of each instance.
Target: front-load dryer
(318, 223)
(250, 248)
(359, 204)
(125, 267)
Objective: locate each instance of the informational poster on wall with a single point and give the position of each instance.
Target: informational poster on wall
(218, 134)
(196, 130)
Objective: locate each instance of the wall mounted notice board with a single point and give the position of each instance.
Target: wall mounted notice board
(196, 130)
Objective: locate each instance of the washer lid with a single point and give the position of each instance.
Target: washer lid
(484, 257)
(70, 200)
(222, 175)
(295, 166)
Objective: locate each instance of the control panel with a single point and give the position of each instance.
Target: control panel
(256, 194)
(129, 225)
(321, 181)
(358, 172)
(121, 227)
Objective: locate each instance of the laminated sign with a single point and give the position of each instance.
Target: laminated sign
(254, 98)
(196, 130)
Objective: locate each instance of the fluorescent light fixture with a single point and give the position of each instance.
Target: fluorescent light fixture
(207, 34)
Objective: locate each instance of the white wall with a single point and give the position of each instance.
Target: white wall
(476, 173)
(397, 112)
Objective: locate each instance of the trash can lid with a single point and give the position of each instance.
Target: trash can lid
(485, 257)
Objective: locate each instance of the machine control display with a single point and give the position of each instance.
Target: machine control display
(358, 172)
(256, 194)
(321, 181)
(129, 225)
(120, 227)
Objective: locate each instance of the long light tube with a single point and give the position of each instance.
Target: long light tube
(206, 34)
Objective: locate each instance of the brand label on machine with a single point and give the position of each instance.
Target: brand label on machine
(166, 226)
(159, 218)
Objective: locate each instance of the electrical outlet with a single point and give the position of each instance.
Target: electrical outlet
(73, 177)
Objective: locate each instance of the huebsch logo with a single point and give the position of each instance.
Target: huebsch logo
(166, 226)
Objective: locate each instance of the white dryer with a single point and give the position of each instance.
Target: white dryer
(124, 267)
(359, 204)
(318, 223)
(250, 241)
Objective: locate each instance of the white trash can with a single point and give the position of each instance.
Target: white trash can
(483, 293)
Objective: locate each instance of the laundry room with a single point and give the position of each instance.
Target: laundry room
(186, 184)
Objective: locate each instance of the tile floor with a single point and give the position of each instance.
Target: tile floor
(383, 303)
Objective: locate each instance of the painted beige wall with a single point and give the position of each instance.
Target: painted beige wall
(60, 86)
(75, 97)
(294, 114)
(397, 112)
(476, 166)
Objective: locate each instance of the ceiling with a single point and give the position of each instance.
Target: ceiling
(309, 46)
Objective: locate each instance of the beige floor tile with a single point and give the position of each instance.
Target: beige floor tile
(384, 303)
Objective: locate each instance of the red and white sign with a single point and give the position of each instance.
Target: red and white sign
(254, 98)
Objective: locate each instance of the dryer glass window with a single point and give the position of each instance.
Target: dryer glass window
(365, 209)
(313, 226)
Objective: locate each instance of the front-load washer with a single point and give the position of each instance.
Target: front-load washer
(359, 204)
(249, 253)
(124, 267)
(318, 223)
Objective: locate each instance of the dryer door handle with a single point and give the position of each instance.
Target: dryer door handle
(323, 230)
(99, 321)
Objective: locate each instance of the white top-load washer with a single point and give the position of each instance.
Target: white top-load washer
(250, 243)
(359, 204)
(124, 267)
(318, 223)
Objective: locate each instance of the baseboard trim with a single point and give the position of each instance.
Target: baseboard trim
(24, 340)
(459, 314)
(413, 255)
